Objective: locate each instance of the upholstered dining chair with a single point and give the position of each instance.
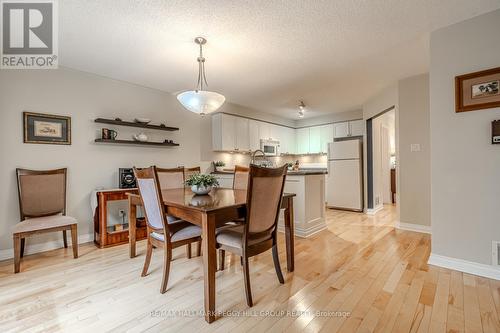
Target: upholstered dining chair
(258, 234)
(42, 207)
(161, 233)
(169, 179)
(240, 180)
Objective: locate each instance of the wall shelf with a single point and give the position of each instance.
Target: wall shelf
(134, 124)
(131, 142)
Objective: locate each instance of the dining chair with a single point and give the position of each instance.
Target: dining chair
(191, 171)
(258, 234)
(240, 180)
(42, 207)
(173, 178)
(160, 232)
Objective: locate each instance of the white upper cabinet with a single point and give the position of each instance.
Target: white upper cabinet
(315, 140)
(286, 138)
(242, 134)
(254, 137)
(326, 133)
(264, 130)
(357, 127)
(223, 132)
(302, 141)
(341, 130)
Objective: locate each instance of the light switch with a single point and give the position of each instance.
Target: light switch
(415, 147)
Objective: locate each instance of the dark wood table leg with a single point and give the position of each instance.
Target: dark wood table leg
(289, 235)
(209, 262)
(132, 224)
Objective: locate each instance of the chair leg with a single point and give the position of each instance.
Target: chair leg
(74, 240)
(222, 258)
(276, 260)
(199, 248)
(167, 257)
(147, 260)
(23, 242)
(246, 275)
(17, 253)
(65, 239)
(188, 251)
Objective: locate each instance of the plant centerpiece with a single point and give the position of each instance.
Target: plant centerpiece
(202, 184)
(219, 165)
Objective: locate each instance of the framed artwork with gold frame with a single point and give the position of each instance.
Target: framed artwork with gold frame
(46, 128)
(477, 91)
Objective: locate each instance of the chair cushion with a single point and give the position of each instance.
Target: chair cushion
(233, 236)
(179, 230)
(41, 223)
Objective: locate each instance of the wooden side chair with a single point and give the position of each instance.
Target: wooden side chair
(169, 179)
(191, 171)
(42, 206)
(258, 234)
(161, 233)
(240, 180)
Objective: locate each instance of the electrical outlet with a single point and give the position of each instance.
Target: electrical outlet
(415, 147)
(495, 247)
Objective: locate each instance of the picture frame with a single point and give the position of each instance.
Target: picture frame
(46, 128)
(478, 90)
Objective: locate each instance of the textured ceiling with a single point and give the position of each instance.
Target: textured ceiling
(267, 55)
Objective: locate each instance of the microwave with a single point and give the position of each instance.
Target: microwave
(269, 147)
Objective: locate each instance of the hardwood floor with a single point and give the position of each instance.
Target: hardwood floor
(361, 266)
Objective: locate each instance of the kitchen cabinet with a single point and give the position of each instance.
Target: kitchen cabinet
(302, 141)
(314, 140)
(288, 142)
(326, 136)
(242, 134)
(357, 128)
(348, 129)
(264, 130)
(223, 132)
(225, 180)
(253, 134)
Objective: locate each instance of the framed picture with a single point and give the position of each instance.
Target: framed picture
(46, 128)
(477, 91)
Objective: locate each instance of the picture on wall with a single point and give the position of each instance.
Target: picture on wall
(478, 91)
(45, 128)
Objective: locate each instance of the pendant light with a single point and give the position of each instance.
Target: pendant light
(199, 100)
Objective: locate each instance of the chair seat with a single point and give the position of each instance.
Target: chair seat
(179, 230)
(233, 236)
(41, 223)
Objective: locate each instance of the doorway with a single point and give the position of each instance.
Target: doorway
(381, 160)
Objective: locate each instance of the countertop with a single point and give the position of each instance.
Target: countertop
(305, 172)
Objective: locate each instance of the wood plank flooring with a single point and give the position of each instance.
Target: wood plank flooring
(361, 275)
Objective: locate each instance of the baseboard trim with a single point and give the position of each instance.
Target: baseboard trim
(373, 211)
(305, 233)
(414, 227)
(47, 246)
(465, 266)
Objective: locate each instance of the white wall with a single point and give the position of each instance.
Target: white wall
(414, 167)
(83, 97)
(465, 165)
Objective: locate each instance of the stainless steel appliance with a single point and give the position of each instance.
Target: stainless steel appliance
(269, 147)
(344, 181)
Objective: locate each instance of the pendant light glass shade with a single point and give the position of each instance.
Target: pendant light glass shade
(201, 101)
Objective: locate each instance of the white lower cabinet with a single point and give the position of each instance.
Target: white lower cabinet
(225, 181)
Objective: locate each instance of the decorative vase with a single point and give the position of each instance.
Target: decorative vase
(219, 168)
(200, 189)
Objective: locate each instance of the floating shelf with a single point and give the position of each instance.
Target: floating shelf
(131, 142)
(134, 124)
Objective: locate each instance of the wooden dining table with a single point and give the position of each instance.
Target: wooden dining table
(210, 212)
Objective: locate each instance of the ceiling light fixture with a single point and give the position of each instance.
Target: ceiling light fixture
(302, 109)
(201, 101)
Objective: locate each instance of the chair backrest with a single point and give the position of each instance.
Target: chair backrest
(240, 180)
(170, 178)
(265, 189)
(152, 201)
(188, 172)
(41, 193)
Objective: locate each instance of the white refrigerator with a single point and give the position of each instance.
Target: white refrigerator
(344, 182)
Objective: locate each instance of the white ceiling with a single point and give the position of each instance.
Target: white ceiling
(268, 55)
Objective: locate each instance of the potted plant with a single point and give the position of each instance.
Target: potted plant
(219, 165)
(202, 184)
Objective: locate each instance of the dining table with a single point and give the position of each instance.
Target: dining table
(209, 212)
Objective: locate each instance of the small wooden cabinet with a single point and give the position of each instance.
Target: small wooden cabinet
(104, 235)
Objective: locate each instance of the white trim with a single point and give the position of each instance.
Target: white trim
(414, 227)
(304, 233)
(465, 266)
(373, 211)
(47, 246)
